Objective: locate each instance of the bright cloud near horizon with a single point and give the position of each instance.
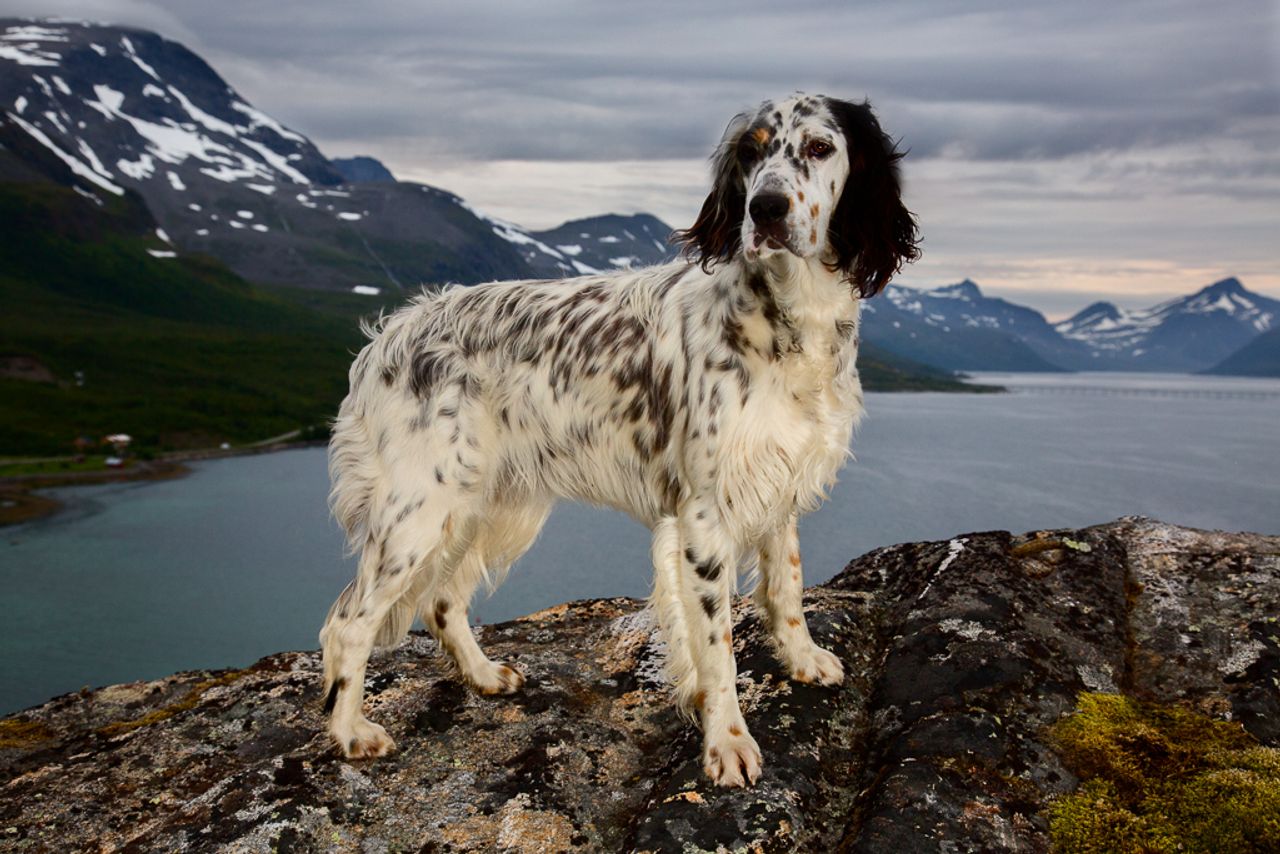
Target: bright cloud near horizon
(1060, 152)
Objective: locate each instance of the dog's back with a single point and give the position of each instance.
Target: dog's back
(518, 390)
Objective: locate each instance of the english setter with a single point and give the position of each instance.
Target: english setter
(712, 399)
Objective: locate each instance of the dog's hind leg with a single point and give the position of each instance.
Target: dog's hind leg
(779, 599)
(371, 610)
(496, 539)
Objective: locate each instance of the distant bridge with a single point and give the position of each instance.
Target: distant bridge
(1182, 393)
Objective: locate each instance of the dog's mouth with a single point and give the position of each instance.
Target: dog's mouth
(766, 243)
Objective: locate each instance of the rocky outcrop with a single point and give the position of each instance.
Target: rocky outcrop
(960, 655)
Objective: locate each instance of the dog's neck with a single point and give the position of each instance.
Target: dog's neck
(818, 302)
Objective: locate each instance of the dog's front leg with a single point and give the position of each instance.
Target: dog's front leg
(730, 756)
(779, 598)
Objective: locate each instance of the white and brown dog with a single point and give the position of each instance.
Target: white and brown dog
(711, 399)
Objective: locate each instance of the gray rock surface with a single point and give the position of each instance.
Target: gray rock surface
(959, 654)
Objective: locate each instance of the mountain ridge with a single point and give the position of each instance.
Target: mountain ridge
(126, 108)
(958, 327)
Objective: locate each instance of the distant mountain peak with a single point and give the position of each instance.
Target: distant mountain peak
(1100, 310)
(1229, 285)
(362, 168)
(968, 289)
(1228, 296)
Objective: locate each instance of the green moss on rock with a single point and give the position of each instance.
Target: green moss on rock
(1162, 778)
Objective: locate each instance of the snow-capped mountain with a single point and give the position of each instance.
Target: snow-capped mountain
(958, 328)
(127, 110)
(1190, 333)
(599, 243)
(86, 83)
(586, 246)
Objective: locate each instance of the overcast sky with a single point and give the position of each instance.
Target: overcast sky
(1060, 152)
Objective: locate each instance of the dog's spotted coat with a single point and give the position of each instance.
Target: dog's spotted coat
(712, 399)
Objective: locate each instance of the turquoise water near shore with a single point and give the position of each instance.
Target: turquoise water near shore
(240, 559)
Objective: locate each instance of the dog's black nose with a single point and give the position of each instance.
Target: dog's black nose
(768, 208)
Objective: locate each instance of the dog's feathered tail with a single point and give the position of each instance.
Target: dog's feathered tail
(353, 474)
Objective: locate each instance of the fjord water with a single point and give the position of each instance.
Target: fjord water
(240, 559)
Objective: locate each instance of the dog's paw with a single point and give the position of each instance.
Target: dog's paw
(732, 758)
(817, 665)
(362, 740)
(499, 679)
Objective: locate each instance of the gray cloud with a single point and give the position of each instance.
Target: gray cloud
(581, 81)
(1040, 132)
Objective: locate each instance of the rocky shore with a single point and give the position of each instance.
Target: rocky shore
(962, 657)
(21, 501)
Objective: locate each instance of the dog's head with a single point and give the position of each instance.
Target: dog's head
(812, 176)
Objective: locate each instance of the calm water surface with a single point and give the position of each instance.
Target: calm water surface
(240, 559)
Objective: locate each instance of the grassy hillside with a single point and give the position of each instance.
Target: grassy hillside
(177, 352)
(881, 370)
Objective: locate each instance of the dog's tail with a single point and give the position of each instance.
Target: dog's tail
(353, 473)
(667, 606)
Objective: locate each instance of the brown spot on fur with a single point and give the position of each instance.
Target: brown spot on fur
(800, 195)
(795, 558)
(802, 675)
(813, 234)
(699, 700)
(728, 638)
(813, 209)
(761, 135)
(734, 729)
(794, 622)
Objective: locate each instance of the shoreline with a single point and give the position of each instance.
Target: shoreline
(21, 501)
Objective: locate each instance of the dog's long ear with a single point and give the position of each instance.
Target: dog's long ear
(717, 233)
(872, 232)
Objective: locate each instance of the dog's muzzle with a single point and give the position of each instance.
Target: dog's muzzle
(768, 220)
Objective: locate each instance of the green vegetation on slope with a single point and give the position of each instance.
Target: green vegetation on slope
(1161, 778)
(881, 370)
(177, 352)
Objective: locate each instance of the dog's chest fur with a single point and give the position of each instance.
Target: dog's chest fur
(789, 416)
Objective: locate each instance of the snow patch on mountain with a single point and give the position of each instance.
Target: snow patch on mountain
(78, 168)
(30, 53)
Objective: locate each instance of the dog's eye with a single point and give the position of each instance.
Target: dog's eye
(748, 151)
(818, 149)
